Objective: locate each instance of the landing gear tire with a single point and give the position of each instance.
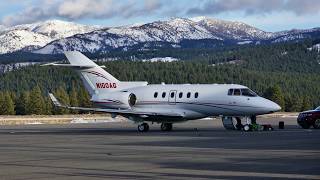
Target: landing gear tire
(316, 124)
(305, 125)
(144, 127)
(166, 126)
(247, 127)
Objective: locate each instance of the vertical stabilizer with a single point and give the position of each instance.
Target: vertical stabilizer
(96, 79)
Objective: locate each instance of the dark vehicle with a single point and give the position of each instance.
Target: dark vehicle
(309, 118)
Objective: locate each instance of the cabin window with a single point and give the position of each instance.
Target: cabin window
(172, 94)
(236, 92)
(155, 95)
(196, 95)
(230, 92)
(180, 95)
(163, 94)
(188, 94)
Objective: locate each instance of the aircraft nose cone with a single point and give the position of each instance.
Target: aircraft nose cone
(274, 107)
(270, 106)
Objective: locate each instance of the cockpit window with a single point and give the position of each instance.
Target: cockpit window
(241, 92)
(248, 92)
(236, 92)
(318, 108)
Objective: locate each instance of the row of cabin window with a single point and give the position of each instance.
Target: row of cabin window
(196, 95)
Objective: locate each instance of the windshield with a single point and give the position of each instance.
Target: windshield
(318, 108)
(242, 92)
(248, 92)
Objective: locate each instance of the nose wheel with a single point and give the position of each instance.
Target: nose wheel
(166, 126)
(144, 127)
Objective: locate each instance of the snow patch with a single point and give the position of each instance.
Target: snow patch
(198, 18)
(244, 42)
(315, 47)
(161, 59)
(236, 62)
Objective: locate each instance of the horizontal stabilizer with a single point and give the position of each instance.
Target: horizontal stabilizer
(71, 65)
(54, 100)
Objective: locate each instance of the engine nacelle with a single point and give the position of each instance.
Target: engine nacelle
(122, 100)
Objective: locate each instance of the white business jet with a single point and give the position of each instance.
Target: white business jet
(166, 104)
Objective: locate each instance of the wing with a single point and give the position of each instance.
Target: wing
(115, 111)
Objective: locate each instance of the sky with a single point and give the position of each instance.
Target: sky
(268, 15)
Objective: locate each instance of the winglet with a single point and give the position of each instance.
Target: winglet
(54, 100)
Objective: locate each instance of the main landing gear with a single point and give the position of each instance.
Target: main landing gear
(144, 127)
(166, 126)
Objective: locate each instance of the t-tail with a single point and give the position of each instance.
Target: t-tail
(96, 80)
(94, 77)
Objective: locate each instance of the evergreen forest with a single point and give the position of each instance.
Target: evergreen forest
(287, 73)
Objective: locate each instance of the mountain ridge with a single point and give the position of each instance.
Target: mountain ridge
(55, 36)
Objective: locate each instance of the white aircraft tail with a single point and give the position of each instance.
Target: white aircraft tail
(94, 77)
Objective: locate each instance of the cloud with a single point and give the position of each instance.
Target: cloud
(36, 10)
(301, 7)
(254, 7)
(76, 9)
(81, 9)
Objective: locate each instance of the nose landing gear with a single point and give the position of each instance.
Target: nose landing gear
(234, 123)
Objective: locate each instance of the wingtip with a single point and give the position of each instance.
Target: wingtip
(54, 100)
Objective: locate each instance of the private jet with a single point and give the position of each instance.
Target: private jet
(165, 104)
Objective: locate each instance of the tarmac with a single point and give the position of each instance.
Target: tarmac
(200, 149)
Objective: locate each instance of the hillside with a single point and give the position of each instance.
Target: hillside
(290, 66)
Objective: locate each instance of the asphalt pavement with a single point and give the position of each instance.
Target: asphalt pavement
(200, 149)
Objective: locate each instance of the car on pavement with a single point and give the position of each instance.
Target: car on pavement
(309, 118)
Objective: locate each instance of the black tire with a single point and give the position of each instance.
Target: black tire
(166, 126)
(141, 128)
(144, 127)
(316, 124)
(304, 125)
(239, 126)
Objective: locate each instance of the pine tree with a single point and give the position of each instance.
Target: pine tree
(6, 104)
(49, 106)
(9, 104)
(306, 105)
(63, 97)
(2, 103)
(84, 99)
(22, 103)
(275, 94)
(37, 104)
(74, 100)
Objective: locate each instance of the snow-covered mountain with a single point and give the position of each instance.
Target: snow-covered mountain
(55, 29)
(2, 28)
(18, 39)
(231, 30)
(52, 37)
(159, 33)
(36, 35)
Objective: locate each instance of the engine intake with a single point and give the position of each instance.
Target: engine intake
(132, 99)
(122, 100)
